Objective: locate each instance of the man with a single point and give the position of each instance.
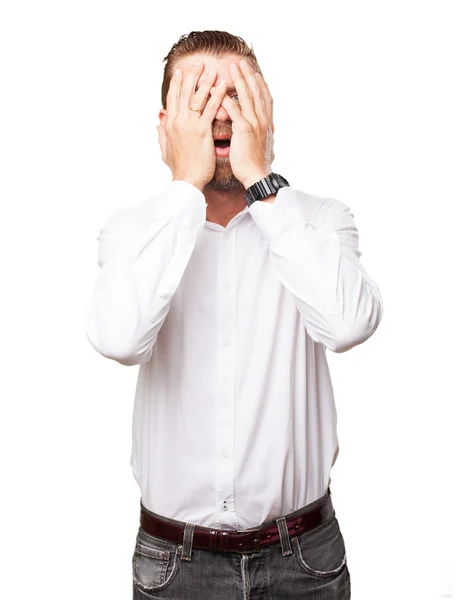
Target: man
(227, 289)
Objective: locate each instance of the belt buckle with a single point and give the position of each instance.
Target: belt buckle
(256, 540)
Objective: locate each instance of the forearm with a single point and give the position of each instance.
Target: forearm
(143, 253)
(317, 260)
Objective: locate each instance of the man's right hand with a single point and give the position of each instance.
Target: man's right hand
(186, 140)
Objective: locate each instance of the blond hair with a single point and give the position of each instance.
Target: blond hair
(216, 43)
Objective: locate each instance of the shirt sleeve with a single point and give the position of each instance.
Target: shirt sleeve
(318, 260)
(142, 254)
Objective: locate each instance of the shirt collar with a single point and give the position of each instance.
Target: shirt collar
(232, 223)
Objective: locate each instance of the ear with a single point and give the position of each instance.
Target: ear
(163, 117)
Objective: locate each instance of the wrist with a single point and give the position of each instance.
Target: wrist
(195, 182)
(255, 177)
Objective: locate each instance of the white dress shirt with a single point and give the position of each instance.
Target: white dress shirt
(234, 420)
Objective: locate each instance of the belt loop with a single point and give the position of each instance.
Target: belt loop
(223, 541)
(284, 536)
(213, 539)
(188, 540)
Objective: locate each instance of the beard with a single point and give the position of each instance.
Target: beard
(223, 179)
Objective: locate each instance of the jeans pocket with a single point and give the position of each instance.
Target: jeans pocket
(321, 552)
(155, 562)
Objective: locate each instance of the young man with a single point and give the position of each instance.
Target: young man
(227, 289)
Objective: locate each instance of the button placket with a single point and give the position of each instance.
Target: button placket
(226, 369)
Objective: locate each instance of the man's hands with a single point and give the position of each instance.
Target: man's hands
(186, 141)
(251, 153)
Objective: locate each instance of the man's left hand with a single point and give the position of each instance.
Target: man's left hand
(251, 151)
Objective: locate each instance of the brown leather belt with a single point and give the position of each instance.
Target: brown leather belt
(231, 540)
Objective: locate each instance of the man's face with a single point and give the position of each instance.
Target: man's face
(223, 178)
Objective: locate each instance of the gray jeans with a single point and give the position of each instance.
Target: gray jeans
(309, 566)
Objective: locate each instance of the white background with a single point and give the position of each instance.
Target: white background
(370, 108)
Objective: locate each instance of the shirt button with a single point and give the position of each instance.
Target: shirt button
(225, 454)
(225, 506)
(227, 399)
(226, 342)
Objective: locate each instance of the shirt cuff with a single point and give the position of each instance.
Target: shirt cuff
(281, 215)
(184, 202)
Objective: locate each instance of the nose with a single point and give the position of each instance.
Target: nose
(222, 115)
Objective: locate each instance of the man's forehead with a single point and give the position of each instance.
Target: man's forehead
(210, 62)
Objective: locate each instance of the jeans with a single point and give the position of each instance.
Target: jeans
(311, 565)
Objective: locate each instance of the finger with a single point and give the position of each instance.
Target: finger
(233, 109)
(249, 75)
(213, 103)
(267, 98)
(162, 140)
(243, 92)
(188, 86)
(173, 94)
(202, 93)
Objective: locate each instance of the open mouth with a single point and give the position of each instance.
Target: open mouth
(222, 143)
(222, 148)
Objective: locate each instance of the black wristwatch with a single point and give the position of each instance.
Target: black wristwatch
(265, 187)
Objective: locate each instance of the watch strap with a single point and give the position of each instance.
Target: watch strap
(265, 187)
